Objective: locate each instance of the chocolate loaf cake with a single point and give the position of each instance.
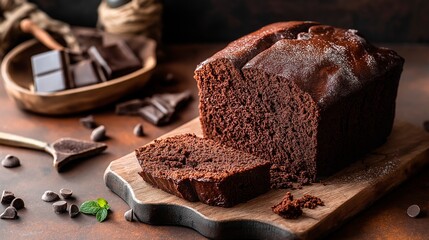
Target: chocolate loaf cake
(308, 97)
(198, 169)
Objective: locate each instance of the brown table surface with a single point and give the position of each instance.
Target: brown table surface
(386, 219)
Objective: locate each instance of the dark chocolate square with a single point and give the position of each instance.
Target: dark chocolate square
(84, 73)
(116, 60)
(51, 72)
(50, 82)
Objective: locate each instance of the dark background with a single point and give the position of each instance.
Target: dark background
(196, 21)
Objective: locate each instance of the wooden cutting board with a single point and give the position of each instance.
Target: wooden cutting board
(344, 194)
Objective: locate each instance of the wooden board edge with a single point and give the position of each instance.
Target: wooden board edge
(172, 214)
(367, 197)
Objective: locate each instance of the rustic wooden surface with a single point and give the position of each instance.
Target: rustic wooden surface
(344, 194)
(386, 219)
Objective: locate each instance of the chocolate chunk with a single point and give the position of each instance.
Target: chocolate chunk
(10, 161)
(88, 37)
(413, 211)
(50, 196)
(60, 206)
(17, 203)
(66, 193)
(426, 125)
(98, 134)
(175, 100)
(7, 197)
(9, 213)
(115, 60)
(84, 73)
(73, 210)
(161, 104)
(129, 215)
(138, 130)
(154, 115)
(88, 122)
(51, 72)
(129, 107)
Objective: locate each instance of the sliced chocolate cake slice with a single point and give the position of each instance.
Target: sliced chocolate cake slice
(198, 169)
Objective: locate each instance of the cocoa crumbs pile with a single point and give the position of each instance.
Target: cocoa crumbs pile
(292, 209)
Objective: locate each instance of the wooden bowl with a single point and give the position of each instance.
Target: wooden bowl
(17, 76)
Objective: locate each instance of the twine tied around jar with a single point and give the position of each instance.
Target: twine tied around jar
(138, 17)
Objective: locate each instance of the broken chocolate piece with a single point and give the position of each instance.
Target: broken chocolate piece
(129, 107)
(175, 100)
(7, 197)
(161, 105)
(88, 37)
(84, 73)
(116, 60)
(153, 115)
(51, 72)
(88, 122)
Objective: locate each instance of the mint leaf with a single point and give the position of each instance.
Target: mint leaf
(101, 214)
(107, 207)
(90, 207)
(102, 202)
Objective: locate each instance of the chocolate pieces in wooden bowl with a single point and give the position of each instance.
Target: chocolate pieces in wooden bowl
(80, 83)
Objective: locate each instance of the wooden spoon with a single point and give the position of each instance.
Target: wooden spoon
(63, 150)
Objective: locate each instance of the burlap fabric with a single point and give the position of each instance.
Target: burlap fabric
(138, 17)
(13, 11)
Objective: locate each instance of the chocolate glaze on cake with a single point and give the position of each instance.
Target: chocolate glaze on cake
(198, 169)
(308, 97)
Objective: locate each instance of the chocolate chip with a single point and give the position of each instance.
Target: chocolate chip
(9, 213)
(130, 107)
(50, 196)
(138, 130)
(73, 210)
(129, 215)
(426, 125)
(66, 193)
(413, 211)
(60, 206)
(98, 134)
(7, 197)
(10, 161)
(88, 122)
(17, 203)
